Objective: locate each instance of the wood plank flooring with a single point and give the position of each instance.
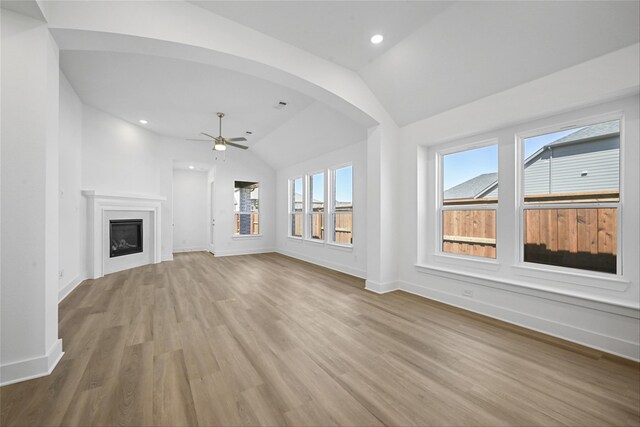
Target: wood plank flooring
(268, 340)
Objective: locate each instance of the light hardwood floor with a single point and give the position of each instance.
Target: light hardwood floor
(268, 340)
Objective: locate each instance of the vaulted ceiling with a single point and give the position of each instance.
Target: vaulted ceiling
(439, 55)
(179, 98)
(335, 30)
(435, 56)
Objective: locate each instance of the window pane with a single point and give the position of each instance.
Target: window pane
(471, 176)
(576, 238)
(246, 207)
(342, 219)
(576, 165)
(343, 191)
(343, 227)
(469, 232)
(317, 225)
(296, 224)
(296, 195)
(247, 221)
(316, 188)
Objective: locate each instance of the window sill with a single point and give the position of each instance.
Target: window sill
(246, 236)
(315, 241)
(340, 246)
(525, 287)
(592, 279)
(476, 262)
(295, 238)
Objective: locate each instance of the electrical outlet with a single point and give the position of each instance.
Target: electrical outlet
(61, 274)
(467, 293)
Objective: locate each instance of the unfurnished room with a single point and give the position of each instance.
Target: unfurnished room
(320, 213)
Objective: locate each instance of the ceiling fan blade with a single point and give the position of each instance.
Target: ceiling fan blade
(241, 138)
(244, 147)
(191, 139)
(206, 134)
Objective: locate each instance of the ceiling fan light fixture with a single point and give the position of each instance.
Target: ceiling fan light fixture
(219, 147)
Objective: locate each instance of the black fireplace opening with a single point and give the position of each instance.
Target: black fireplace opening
(125, 236)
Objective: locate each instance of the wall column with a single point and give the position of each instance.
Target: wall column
(382, 207)
(29, 200)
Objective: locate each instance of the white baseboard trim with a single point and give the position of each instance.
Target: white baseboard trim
(203, 248)
(327, 264)
(167, 257)
(381, 288)
(69, 287)
(234, 252)
(612, 345)
(29, 369)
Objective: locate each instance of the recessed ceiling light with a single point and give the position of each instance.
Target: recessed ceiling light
(377, 39)
(192, 167)
(143, 121)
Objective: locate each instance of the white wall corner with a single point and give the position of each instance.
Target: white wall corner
(29, 369)
(69, 287)
(381, 288)
(168, 257)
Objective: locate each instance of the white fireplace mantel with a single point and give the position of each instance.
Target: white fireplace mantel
(101, 203)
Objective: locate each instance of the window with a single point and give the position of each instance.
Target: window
(295, 207)
(570, 197)
(246, 197)
(342, 206)
(316, 206)
(469, 197)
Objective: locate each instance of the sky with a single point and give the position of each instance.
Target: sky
(462, 166)
(317, 187)
(344, 185)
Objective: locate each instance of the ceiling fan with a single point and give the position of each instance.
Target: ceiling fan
(220, 142)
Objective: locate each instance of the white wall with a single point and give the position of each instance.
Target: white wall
(599, 313)
(348, 260)
(190, 211)
(72, 210)
(29, 200)
(119, 156)
(243, 166)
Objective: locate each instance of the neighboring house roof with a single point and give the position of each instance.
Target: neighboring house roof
(482, 184)
(589, 132)
(471, 188)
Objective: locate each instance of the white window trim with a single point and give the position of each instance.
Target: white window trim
(331, 179)
(538, 270)
(233, 229)
(291, 202)
(440, 208)
(308, 208)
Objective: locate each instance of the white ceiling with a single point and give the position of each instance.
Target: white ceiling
(335, 30)
(179, 98)
(475, 49)
(314, 131)
(436, 56)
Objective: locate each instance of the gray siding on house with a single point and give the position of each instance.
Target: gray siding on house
(536, 175)
(600, 159)
(559, 169)
(493, 194)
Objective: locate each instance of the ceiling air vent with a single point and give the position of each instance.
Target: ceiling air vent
(280, 105)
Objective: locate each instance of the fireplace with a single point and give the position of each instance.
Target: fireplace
(125, 237)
